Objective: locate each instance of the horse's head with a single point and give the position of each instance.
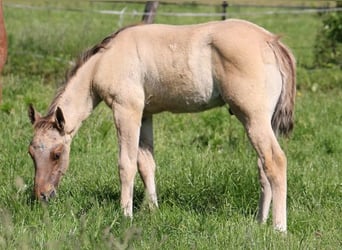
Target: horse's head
(49, 150)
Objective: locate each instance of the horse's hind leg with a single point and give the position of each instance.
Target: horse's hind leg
(146, 163)
(273, 167)
(265, 194)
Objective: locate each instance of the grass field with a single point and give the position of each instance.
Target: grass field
(207, 176)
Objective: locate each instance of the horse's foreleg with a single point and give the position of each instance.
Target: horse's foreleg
(265, 194)
(127, 122)
(146, 163)
(273, 163)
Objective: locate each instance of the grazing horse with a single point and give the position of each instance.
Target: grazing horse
(146, 69)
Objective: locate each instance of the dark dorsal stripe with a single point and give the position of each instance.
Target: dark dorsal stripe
(82, 59)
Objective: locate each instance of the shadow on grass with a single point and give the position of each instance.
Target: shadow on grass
(233, 197)
(213, 201)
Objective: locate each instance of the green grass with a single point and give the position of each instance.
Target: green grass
(207, 176)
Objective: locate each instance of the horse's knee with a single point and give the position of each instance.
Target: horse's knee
(127, 170)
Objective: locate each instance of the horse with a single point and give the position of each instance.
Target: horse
(142, 70)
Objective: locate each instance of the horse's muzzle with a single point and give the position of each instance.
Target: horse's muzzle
(46, 196)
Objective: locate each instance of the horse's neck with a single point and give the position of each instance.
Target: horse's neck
(78, 99)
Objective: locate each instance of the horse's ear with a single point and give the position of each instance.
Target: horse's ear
(33, 114)
(60, 121)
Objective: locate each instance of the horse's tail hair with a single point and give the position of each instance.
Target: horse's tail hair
(283, 116)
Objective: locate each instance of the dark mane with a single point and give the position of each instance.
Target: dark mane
(92, 51)
(82, 59)
(45, 123)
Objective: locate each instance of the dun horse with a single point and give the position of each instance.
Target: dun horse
(146, 69)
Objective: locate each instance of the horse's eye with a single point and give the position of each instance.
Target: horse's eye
(57, 152)
(56, 156)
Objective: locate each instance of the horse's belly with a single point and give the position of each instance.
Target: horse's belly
(183, 81)
(182, 98)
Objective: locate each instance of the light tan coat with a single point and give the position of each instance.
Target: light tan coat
(142, 70)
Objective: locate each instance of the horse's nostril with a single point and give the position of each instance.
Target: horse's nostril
(47, 195)
(43, 197)
(52, 194)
